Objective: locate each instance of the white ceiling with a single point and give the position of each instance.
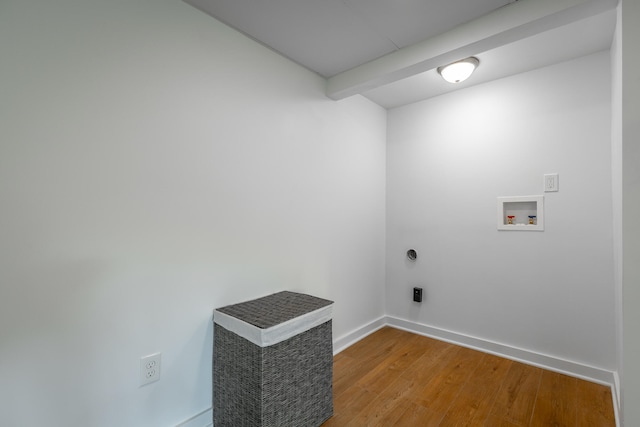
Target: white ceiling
(388, 50)
(570, 41)
(332, 36)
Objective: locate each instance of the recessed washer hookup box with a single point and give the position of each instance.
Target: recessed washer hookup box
(273, 362)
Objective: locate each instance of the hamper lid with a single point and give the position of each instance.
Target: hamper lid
(272, 319)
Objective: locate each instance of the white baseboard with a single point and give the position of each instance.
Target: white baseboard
(356, 335)
(589, 373)
(201, 419)
(616, 385)
(615, 392)
(551, 363)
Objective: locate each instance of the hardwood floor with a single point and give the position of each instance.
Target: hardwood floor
(396, 378)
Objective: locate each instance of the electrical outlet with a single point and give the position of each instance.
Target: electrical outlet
(150, 368)
(417, 294)
(551, 182)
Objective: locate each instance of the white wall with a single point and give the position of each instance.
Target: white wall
(630, 15)
(448, 159)
(616, 169)
(155, 164)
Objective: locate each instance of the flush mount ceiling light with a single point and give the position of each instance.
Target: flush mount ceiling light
(459, 71)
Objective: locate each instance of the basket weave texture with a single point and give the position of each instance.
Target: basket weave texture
(288, 384)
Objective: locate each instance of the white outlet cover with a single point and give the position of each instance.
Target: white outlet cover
(150, 368)
(551, 182)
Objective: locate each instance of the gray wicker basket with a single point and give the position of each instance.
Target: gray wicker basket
(273, 362)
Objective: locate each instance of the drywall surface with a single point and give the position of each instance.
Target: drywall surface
(616, 184)
(450, 157)
(154, 165)
(630, 14)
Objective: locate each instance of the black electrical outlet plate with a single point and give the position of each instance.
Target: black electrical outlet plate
(417, 294)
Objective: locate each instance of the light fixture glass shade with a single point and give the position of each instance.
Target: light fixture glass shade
(459, 71)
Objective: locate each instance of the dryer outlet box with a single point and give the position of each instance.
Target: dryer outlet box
(417, 294)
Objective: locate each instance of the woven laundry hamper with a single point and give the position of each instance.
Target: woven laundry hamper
(273, 362)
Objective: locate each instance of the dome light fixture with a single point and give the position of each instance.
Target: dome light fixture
(459, 71)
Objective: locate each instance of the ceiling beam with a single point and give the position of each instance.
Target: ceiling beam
(508, 24)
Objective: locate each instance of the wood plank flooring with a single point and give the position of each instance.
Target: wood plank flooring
(396, 378)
